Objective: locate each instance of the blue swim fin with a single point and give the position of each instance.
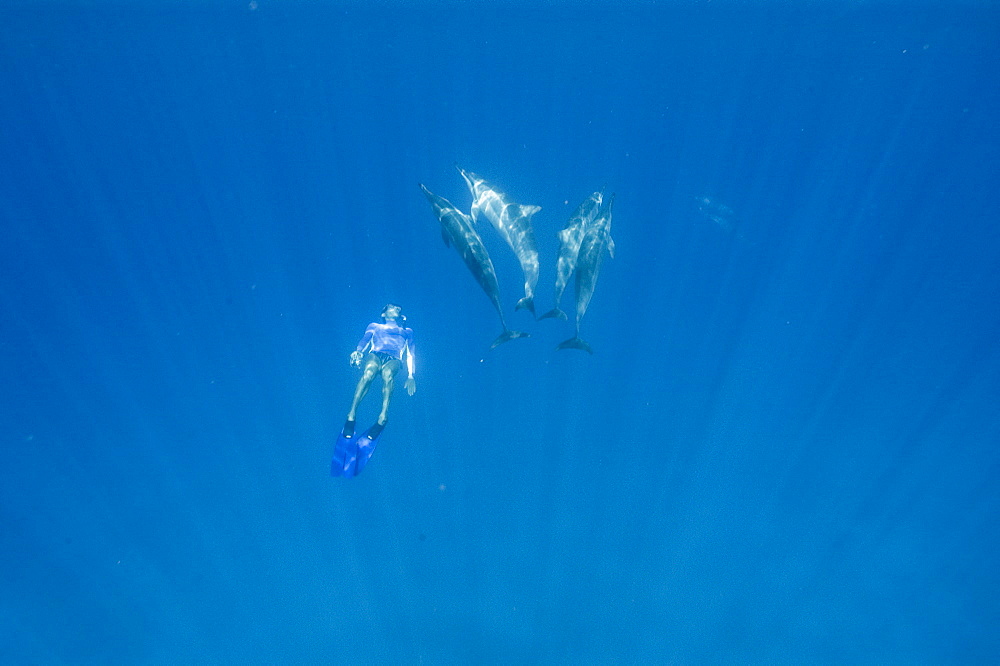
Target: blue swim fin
(351, 454)
(366, 447)
(345, 456)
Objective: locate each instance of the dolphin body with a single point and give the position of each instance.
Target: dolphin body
(513, 221)
(596, 240)
(569, 246)
(457, 230)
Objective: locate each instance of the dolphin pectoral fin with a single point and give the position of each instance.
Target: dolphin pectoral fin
(525, 211)
(526, 303)
(611, 247)
(444, 237)
(575, 343)
(508, 335)
(554, 313)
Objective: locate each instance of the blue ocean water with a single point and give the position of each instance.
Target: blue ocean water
(783, 450)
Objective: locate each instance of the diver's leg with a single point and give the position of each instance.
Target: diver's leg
(389, 371)
(367, 375)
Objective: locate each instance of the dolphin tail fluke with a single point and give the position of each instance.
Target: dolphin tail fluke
(575, 343)
(554, 313)
(526, 303)
(508, 335)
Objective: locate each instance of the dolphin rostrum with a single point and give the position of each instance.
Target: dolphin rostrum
(457, 230)
(596, 239)
(513, 221)
(569, 246)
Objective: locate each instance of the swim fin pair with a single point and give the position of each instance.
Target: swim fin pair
(351, 454)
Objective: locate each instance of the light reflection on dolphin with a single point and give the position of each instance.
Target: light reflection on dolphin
(569, 246)
(513, 221)
(596, 240)
(457, 230)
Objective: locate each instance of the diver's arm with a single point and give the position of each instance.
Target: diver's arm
(366, 339)
(411, 382)
(363, 346)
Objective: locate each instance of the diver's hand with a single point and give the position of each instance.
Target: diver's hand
(356, 359)
(411, 385)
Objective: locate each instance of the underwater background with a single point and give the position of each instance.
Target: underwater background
(784, 448)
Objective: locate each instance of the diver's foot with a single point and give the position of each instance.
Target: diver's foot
(375, 430)
(349, 429)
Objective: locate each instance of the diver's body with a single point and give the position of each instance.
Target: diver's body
(388, 346)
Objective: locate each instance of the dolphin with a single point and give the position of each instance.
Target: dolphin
(569, 246)
(457, 230)
(717, 212)
(596, 240)
(513, 221)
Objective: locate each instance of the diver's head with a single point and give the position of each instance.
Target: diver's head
(393, 311)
